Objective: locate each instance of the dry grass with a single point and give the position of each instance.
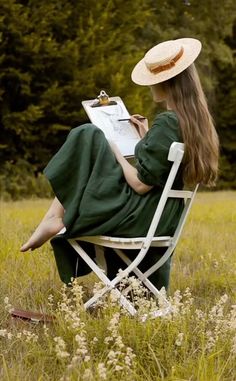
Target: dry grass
(196, 343)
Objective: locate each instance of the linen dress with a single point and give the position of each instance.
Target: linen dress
(90, 184)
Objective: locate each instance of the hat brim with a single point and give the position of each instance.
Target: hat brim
(141, 75)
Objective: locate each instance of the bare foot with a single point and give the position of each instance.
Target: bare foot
(46, 230)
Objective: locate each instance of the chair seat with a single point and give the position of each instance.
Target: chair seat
(125, 243)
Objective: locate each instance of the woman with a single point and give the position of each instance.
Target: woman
(99, 192)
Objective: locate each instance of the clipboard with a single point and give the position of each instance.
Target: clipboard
(105, 112)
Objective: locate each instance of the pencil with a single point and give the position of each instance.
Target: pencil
(128, 119)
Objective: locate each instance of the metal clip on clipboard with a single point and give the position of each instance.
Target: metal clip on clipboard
(103, 100)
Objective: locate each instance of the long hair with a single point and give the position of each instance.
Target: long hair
(186, 97)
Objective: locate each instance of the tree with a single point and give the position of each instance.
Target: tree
(55, 54)
(225, 115)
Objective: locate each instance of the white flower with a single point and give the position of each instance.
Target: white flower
(233, 349)
(118, 368)
(87, 376)
(179, 340)
(102, 371)
(9, 335)
(8, 306)
(210, 340)
(3, 332)
(60, 348)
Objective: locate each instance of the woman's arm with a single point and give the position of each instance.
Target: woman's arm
(130, 172)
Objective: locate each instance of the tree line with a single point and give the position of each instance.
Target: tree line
(54, 54)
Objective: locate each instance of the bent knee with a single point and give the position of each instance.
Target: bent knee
(87, 127)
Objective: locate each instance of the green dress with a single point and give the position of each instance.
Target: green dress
(89, 183)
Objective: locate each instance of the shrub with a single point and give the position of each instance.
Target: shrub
(18, 180)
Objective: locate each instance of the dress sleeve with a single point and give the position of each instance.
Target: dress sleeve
(152, 151)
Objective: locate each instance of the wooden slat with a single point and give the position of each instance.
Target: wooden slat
(180, 194)
(124, 243)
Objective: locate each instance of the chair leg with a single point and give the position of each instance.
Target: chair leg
(122, 300)
(143, 278)
(109, 285)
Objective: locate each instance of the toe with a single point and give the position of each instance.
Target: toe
(25, 247)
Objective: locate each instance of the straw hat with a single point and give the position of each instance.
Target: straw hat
(165, 61)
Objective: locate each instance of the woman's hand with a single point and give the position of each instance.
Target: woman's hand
(140, 125)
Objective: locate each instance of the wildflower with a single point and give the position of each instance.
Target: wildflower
(113, 325)
(9, 335)
(45, 330)
(233, 349)
(87, 376)
(129, 357)
(50, 300)
(30, 336)
(60, 348)
(162, 299)
(8, 306)
(114, 297)
(188, 300)
(211, 340)
(120, 357)
(108, 339)
(111, 355)
(176, 303)
(81, 350)
(200, 315)
(77, 292)
(232, 318)
(119, 343)
(74, 362)
(179, 340)
(98, 286)
(224, 299)
(118, 368)
(102, 371)
(3, 332)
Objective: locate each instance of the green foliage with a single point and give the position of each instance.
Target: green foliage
(17, 180)
(226, 114)
(55, 54)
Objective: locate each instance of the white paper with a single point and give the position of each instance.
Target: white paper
(107, 119)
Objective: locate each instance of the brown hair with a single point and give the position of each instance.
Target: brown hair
(186, 97)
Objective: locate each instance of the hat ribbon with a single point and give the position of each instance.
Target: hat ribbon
(169, 65)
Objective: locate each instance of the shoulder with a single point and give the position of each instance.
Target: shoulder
(167, 118)
(166, 126)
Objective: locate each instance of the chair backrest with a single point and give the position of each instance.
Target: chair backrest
(175, 155)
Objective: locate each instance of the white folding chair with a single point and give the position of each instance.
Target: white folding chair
(176, 153)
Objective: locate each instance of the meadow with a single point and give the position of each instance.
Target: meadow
(196, 342)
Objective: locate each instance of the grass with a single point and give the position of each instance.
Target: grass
(197, 342)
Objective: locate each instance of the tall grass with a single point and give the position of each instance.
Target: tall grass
(196, 342)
